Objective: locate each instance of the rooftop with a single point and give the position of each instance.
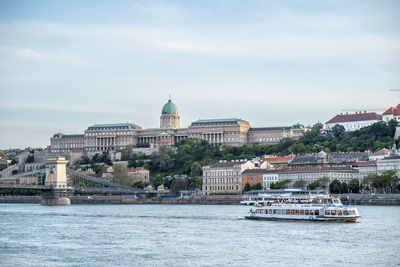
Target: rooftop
(114, 126)
(232, 121)
(355, 117)
(393, 111)
(225, 164)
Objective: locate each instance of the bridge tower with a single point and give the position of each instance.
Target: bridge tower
(56, 179)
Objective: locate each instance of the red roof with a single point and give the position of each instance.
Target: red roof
(393, 111)
(355, 117)
(275, 159)
(222, 164)
(381, 152)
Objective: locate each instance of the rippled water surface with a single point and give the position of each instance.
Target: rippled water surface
(190, 235)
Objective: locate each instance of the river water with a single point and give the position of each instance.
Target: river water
(190, 235)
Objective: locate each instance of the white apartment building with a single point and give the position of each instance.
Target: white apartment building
(353, 122)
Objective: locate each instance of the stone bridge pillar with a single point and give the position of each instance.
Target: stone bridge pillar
(56, 178)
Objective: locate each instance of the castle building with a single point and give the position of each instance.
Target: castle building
(111, 137)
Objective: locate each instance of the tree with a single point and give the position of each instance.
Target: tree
(335, 187)
(370, 180)
(338, 130)
(323, 181)
(256, 186)
(388, 180)
(196, 182)
(299, 148)
(282, 184)
(299, 184)
(178, 185)
(317, 127)
(120, 175)
(196, 169)
(247, 187)
(127, 152)
(354, 185)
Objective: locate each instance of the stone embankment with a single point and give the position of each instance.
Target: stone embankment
(353, 199)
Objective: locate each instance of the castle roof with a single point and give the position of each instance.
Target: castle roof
(170, 108)
(114, 126)
(229, 121)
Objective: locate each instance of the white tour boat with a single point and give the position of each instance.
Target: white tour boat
(303, 207)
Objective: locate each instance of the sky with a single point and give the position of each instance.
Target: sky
(67, 65)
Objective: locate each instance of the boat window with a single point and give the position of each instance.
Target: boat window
(274, 211)
(297, 212)
(327, 212)
(352, 212)
(293, 212)
(339, 212)
(270, 211)
(345, 212)
(333, 212)
(316, 212)
(336, 201)
(307, 212)
(301, 212)
(258, 211)
(266, 211)
(287, 212)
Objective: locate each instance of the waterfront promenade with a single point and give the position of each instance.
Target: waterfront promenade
(354, 199)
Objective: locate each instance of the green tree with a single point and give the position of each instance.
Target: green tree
(247, 187)
(256, 186)
(126, 152)
(370, 180)
(338, 130)
(317, 127)
(323, 181)
(196, 182)
(299, 184)
(388, 180)
(335, 187)
(196, 169)
(354, 185)
(282, 184)
(120, 175)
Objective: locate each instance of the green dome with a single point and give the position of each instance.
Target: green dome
(170, 108)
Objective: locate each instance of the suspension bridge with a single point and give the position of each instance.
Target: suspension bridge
(57, 182)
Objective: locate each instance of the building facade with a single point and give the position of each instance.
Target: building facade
(273, 135)
(225, 177)
(311, 174)
(67, 142)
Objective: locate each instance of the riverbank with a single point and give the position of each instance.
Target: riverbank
(353, 199)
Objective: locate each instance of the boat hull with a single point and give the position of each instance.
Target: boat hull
(322, 219)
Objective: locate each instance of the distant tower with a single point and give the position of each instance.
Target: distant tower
(169, 118)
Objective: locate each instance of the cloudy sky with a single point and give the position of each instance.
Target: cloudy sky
(66, 65)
